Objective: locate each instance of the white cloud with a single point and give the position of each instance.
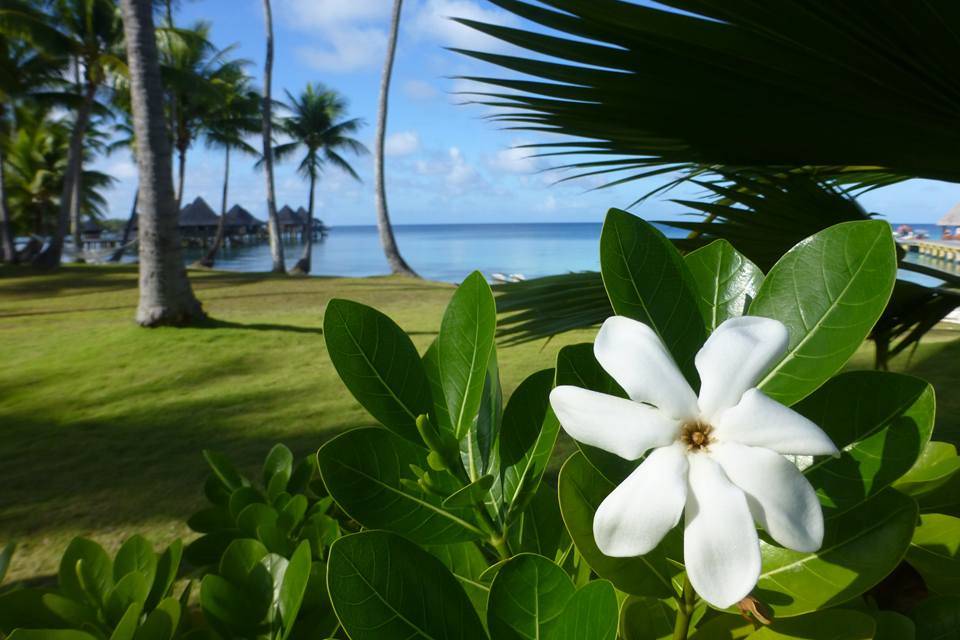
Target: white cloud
(432, 20)
(419, 90)
(347, 50)
(328, 14)
(517, 159)
(352, 33)
(402, 143)
(461, 173)
(453, 168)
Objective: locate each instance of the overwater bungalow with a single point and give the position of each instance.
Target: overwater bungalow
(240, 223)
(291, 224)
(90, 230)
(198, 221)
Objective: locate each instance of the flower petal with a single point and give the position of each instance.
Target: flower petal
(633, 519)
(780, 498)
(759, 421)
(633, 354)
(735, 357)
(620, 426)
(720, 546)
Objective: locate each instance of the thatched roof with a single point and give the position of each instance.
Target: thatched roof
(952, 217)
(240, 217)
(90, 226)
(288, 216)
(198, 214)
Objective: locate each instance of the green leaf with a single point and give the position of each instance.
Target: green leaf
(539, 529)
(938, 618)
(294, 586)
(279, 461)
(835, 624)
(363, 468)
(527, 597)
(471, 494)
(944, 499)
(829, 291)
(591, 614)
(464, 346)
(880, 421)
(127, 626)
(229, 607)
(582, 489)
(577, 366)
(935, 553)
(240, 559)
(527, 439)
(938, 462)
(861, 546)
(384, 587)
(27, 608)
(224, 470)
(378, 364)
(162, 622)
(133, 588)
(726, 281)
(647, 280)
(5, 555)
(86, 572)
(894, 626)
(647, 619)
(467, 563)
(136, 554)
(50, 634)
(483, 436)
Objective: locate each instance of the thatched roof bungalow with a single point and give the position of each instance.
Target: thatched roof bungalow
(239, 220)
(198, 219)
(951, 218)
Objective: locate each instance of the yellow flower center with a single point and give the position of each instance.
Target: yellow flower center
(696, 435)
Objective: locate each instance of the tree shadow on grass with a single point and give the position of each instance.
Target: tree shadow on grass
(214, 323)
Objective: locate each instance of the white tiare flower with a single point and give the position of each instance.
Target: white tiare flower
(717, 458)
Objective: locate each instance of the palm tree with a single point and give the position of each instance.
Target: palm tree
(193, 70)
(316, 125)
(273, 225)
(36, 167)
(387, 240)
(166, 296)
(25, 72)
(237, 115)
(93, 35)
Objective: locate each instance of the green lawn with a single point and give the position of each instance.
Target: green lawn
(102, 422)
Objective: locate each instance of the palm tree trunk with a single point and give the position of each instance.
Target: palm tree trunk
(390, 249)
(166, 296)
(210, 259)
(50, 257)
(273, 225)
(181, 172)
(117, 255)
(303, 265)
(75, 227)
(8, 252)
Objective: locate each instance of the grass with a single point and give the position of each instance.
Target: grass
(102, 422)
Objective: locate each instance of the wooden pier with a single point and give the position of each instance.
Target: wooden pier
(948, 250)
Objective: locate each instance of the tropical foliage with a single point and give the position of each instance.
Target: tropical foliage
(769, 110)
(441, 520)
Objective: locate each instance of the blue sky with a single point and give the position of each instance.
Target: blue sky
(445, 163)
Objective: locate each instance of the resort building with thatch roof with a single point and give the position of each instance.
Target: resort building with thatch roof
(950, 223)
(240, 222)
(197, 220)
(290, 221)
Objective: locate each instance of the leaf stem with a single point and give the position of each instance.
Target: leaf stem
(685, 605)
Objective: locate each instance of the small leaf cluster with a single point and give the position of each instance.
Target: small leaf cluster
(280, 513)
(128, 597)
